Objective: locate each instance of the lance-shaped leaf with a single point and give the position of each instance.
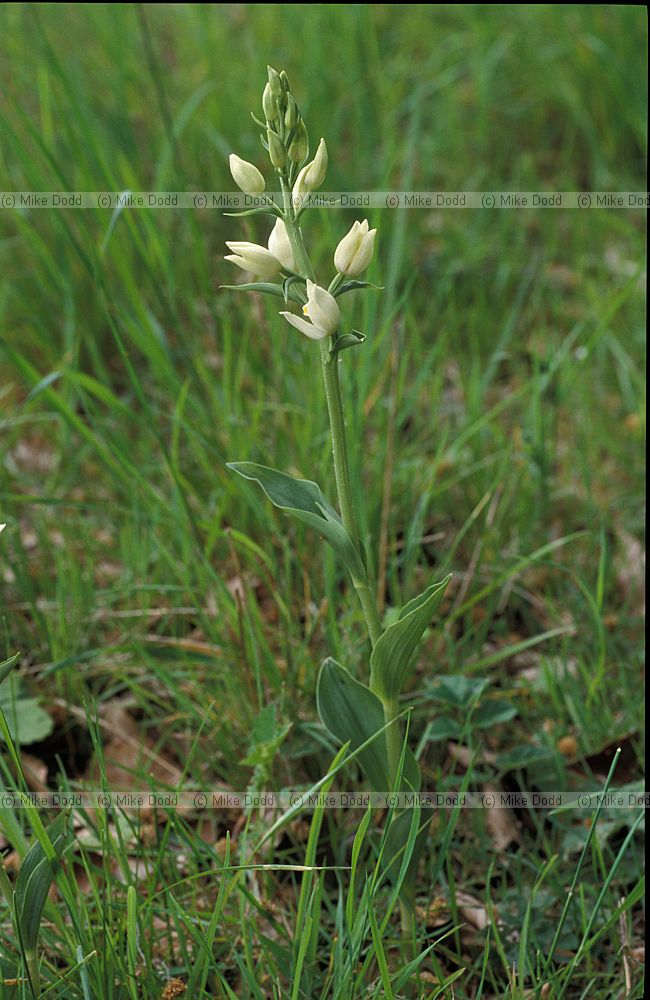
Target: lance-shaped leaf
(297, 293)
(304, 500)
(267, 288)
(34, 881)
(7, 666)
(404, 843)
(346, 340)
(268, 210)
(352, 713)
(350, 286)
(8, 969)
(393, 656)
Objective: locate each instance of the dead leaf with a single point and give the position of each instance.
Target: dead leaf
(174, 988)
(501, 824)
(629, 563)
(568, 746)
(466, 757)
(130, 759)
(627, 768)
(472, 910)
(33, 455)
(35, 771)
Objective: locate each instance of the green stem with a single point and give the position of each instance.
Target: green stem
(31, 958)
(335, 411)
(393, 737)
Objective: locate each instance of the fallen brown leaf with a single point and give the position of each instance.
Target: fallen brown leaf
(130, 759)
(501, 824)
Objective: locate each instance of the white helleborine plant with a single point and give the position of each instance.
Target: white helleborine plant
(355, 711)
(322, 310)
(354, 252)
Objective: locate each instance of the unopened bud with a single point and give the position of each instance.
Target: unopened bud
(292, 114)
(311, 176)
(268, 105)
(299, 146)
(246, 175)
(354, 252)
(277, 152)
(274, 82)
(284, 80)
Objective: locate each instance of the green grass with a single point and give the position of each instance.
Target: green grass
(496, 411)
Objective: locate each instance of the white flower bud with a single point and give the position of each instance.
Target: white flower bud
(299, 146)
(322, 310)
(277, 152)
(354, 252)
(254, 258)
(246, 175)
(280, 246)
(312, 175)
(292, 114)
(274, 81)
(268, 105)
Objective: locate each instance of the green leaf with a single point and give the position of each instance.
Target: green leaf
(265, 288)
(458, 691)
(352, 713)
(392, 660)
(26, 720)
(401, 837)
(269, 210)
(350, 286)
(34, 881)
(490, 713)
(521, 757)
(266, 739)
(443, 728)
(304, 500)
(346, 340)
(8, 969)
(262, 125)
(7, 666)
(295, 294)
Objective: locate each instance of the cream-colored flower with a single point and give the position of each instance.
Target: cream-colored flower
(246, 175)
(254, 258)
(311, 176)
(322, 310)
(354, 252)
(280, 246)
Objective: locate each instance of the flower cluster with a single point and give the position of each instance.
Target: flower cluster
(283, 265)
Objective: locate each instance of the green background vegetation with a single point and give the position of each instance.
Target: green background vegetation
(496, 410)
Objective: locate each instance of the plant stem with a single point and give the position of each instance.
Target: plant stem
(31, 958)
(335, 411)
(393, 737)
